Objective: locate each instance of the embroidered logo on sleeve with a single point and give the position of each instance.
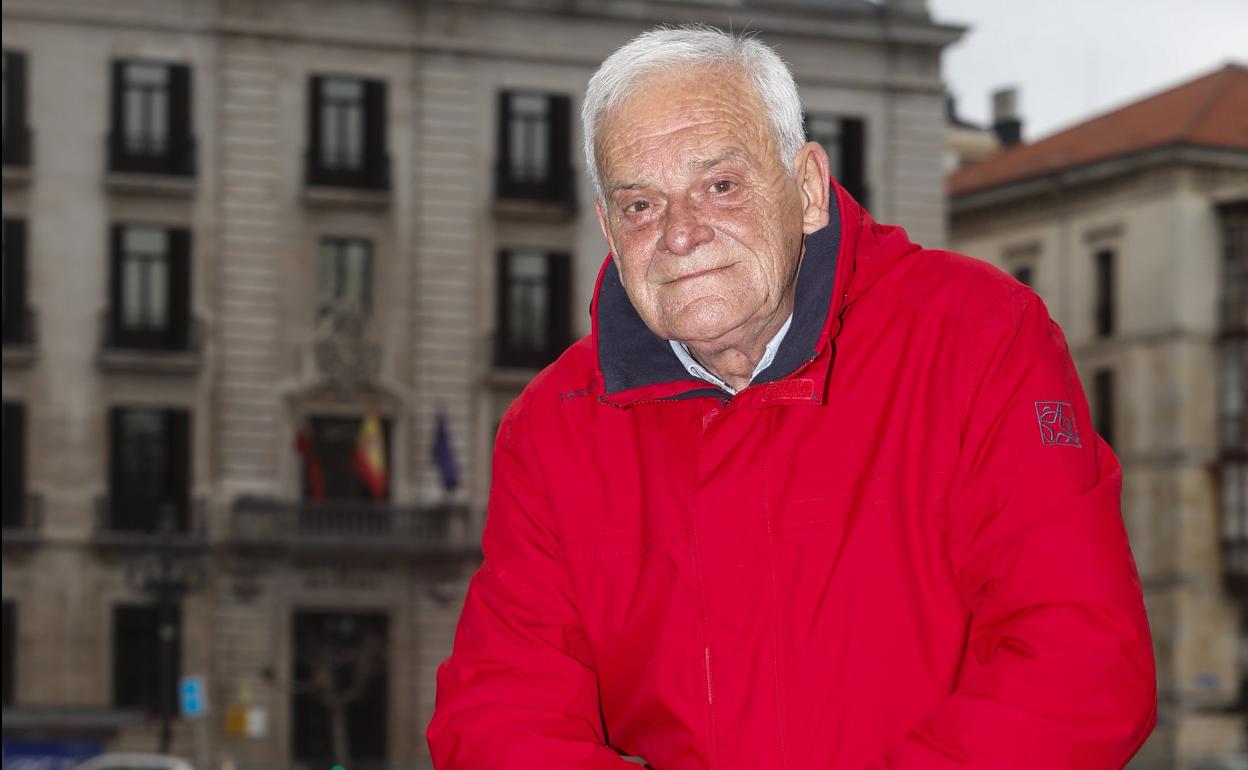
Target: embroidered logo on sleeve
(1057, 423)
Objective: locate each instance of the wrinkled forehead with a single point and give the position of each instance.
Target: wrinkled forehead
(684, 118)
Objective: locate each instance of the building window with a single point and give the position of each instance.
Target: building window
(151, 131)
(345, 273)
(333, 459)
(16, 132)
(149, 469)
(1233, 387)
(1023, 274)
(150, 288)
(533, 308)
(14, 431)
(1235, 267)
(9, 641)
(845, 141)
(1103, 401)
(1233, 480)
(534, 146)
(347, 132)
(339, 658)
(1105, 292)
(138, 657)
(18, 322)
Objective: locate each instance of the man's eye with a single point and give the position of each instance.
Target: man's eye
(636, 207)
(723, 186)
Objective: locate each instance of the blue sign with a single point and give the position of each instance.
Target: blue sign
(192, 699)
(48, 755)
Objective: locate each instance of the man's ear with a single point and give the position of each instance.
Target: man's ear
(811, 171)
(602, 223)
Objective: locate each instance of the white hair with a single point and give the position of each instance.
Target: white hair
(694, 44)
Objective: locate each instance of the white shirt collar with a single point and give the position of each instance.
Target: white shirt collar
(699, 371)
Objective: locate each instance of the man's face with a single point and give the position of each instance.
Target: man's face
(705, 222)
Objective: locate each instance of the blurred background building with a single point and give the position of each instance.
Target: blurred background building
(1133, 227)
(273, 270)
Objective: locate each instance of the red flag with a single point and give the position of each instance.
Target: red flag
(313, 478)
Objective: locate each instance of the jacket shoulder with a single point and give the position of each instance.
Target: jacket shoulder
(571, 376)
(957, 286)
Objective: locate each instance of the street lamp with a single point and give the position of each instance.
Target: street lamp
(166, 571)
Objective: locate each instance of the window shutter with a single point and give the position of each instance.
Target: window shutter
(366, 276)
(15, 279)
(116, 473)
(502, 309)
(560, 172)
(314, 128)
(178, 483)
(503, 174)
(560, 286)
(853, 159)
(14, 430)
(117, 136)
(377, 159)
(116, 304)
(181, 143)
(179, 288)
(15, 109)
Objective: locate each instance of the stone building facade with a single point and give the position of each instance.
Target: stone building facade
(1131, 226)
(241, 233)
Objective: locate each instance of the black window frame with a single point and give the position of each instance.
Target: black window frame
(1233, 419)
(177, 157)
(9, 642)
(18, 320)
(131, 511)
(374, 173)
(1233, 304)
(136, 664)
(849, 153)
(16, 129)
(340, 244)
(1104, 399)
(557, 185)
(558, 284)
(175, 333)
(1105, 268)
(15, 465)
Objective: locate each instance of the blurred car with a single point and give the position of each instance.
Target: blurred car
(135, 762)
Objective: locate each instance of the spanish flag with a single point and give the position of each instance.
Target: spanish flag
(370, 455)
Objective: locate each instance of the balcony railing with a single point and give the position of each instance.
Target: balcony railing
(178, 159)
(114, 336)
(125, 521)
(27, 526)
(374, 174)
(17, 146)
(349, 525)
(557, 188)
(21, 330)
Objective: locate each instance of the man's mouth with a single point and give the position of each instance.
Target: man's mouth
(698, 273)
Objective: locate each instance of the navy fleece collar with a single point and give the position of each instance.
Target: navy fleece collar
(631, 356)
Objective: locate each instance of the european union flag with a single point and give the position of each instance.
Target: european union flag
(444, 455)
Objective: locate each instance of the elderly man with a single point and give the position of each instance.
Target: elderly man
(809, 496)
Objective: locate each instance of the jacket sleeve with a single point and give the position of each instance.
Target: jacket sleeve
(517, 690)
(1058, 670)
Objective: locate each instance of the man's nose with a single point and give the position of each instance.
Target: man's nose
(683, 228)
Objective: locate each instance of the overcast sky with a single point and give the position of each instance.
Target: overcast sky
(1072, 59)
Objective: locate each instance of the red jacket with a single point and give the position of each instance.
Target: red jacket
(900, 547)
